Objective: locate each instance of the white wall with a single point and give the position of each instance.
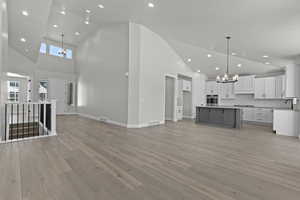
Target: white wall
(102, 62)
(155, 59)
(198, 87)
(3, 57)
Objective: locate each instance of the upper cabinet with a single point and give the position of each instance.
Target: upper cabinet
(245, 85)
(265, 88)
(185, 85)
(280, 87)
(293, 81)
(270, 87)
(227, 90)
(212, 88)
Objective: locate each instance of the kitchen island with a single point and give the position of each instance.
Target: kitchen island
(224, 116)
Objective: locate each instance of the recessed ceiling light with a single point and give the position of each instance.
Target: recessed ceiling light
(86, 22)
(209, 55)
(151, 5)
(189, 60)
(88, 11)
(77, 33)
(23, 40)
(233, 53)
(239, 65)
(199, 71)
(26, 50)
(100, 6)
(25, 13)
(267, 63)
(265, 56)
(217, 68)
(55, 25)
(63, 12)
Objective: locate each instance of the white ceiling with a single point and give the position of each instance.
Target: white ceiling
(33, 27)
(258, 27)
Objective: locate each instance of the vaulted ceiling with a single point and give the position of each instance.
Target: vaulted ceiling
(194, 28)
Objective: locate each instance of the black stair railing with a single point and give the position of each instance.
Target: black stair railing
(26, 120)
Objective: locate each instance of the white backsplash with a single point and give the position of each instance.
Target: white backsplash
(249, 100)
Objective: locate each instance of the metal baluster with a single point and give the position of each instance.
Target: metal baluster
(38, 119)
(5, 131)
(11, 120)
(23, 121)
(43, 119)
(33, 105)
(17, 121)
(28, 118)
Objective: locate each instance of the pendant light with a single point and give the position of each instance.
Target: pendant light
(227, 78)
(63, 51)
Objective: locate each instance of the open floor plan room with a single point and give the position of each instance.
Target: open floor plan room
(149, 100)
(92, 160)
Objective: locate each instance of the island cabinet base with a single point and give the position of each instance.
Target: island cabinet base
(222, 116)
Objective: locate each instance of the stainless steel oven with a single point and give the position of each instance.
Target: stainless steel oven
(212, 100)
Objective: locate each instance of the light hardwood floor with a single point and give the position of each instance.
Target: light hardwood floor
(90, 160)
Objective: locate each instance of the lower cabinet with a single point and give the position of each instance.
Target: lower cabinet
(227, 117)
(262, 115)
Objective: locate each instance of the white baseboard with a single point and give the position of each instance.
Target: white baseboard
(144, 125)
(71, 113)
(108, 121)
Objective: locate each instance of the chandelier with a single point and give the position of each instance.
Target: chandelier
(63, 51)
(227, 78)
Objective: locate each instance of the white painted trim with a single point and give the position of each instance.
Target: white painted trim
(120, 124)
(70, 113)
(108, 121)
(145, 125)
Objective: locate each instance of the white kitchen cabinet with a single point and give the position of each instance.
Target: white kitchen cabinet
(270, 87)
(259, 88)
(227, 90)
(245, 85)
(286, 122)
(261, 115)
(264, 115)
(248, 114)
(212, 88)
(280, 87)
(264, 88)
(186, 85)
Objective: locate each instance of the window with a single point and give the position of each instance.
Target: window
(69, 54)
(13, 88)
(55, 51)
(43, 48)
(43, 90)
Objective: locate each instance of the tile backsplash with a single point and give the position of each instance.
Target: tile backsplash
(249, 100)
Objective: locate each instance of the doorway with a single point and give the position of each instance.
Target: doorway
(170, 92)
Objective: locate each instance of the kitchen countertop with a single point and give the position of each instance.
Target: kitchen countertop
(241, 107)
(220, 107)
